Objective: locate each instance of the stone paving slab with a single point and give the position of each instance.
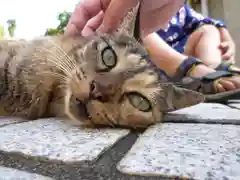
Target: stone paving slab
(57, 140)
(104, 168)
(9, 120)
(13, 174)
(194, 151)
(234, 101)
(234, 104)
(205, 113)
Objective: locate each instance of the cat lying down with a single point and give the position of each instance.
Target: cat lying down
(103, 81)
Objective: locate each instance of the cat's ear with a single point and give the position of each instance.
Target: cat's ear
(174, 98)
(131, 23)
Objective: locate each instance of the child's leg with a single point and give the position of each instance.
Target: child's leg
(204, 44)
(169, 60)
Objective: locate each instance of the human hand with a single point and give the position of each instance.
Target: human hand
(106, 15)
(228, 51)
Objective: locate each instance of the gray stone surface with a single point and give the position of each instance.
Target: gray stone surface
(234, 101)
(13, 174)
(234, 104)
(205, 113)
(57, 140)
(198, 151)
(9, 120)
(104, 168)
(57, 149)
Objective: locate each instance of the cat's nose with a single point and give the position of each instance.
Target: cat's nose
(95, 93)
(101, 89)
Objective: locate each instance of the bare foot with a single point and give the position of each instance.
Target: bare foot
(224, 84)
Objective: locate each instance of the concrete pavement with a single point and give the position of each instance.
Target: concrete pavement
(200, 142)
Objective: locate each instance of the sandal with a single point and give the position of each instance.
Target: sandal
(206, 84)
(229, 67)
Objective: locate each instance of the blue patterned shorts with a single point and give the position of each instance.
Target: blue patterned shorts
(180, 45)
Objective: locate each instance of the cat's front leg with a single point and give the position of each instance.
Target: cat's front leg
(37, 105)
(40, 91)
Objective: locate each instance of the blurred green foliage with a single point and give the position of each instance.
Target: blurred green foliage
(2, 32)
(11, 27)
(63, 19)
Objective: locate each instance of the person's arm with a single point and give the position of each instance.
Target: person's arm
(163, 55)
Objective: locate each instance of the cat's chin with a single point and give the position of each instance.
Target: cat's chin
(90, 112)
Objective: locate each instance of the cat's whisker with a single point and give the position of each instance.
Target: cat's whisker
(43, 49)
(65, 57)
(59, 60)
(110, 121)
(69, 60)
(69, 69)
(60, 66)
(57, 75)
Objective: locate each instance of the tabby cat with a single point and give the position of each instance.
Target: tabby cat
(107, 80)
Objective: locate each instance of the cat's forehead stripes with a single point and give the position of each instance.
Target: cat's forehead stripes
(103, 44)
(130, 54)
(146, 78)
(123, 41)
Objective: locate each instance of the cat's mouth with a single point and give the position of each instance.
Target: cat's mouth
(83, 111)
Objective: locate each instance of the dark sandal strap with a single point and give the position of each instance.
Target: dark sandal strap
(209, 79)
(205, 84)
(187, 65)
(223, 97)
(228, 67)
(215, 75)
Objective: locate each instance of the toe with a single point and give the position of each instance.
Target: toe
(236, 82)
(220, 88)
(228, 85)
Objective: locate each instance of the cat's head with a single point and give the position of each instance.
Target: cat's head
(116, 85)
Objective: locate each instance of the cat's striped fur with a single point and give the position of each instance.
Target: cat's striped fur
(104, 81)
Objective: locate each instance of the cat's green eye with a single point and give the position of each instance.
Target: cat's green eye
(109, 58)
(139, 102)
